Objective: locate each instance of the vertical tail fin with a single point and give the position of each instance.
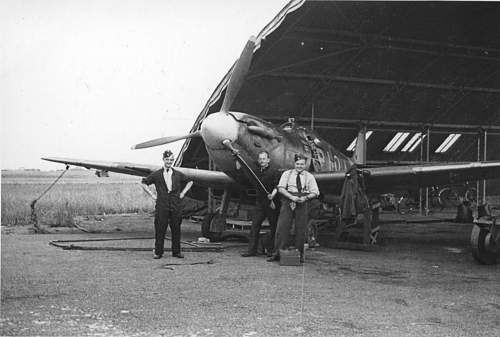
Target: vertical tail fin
(359, 155)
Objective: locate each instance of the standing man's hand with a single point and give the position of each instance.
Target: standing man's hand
(270, 196)
(181, 195)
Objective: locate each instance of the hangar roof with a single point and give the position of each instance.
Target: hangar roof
(393, 66)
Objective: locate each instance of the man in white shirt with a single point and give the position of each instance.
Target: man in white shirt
(297, 187)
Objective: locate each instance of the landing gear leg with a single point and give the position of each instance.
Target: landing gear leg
(214, 224)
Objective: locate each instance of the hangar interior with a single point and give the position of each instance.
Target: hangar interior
(423, 77)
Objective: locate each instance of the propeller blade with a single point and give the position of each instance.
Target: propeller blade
(238, 75)
(164, 140)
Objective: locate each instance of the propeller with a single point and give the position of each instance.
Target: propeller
(164, 140)
(238, 74)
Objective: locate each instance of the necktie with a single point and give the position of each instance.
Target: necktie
(298, 183)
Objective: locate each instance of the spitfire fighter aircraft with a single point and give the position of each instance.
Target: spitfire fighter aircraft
(234, 139)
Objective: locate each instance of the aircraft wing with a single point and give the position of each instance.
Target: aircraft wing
(385, 178)
(201, 177)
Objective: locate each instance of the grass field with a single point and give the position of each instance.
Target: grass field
(78, 192)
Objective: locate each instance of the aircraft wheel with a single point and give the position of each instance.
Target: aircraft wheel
(478, 239)
(215, 236)
(205, 228)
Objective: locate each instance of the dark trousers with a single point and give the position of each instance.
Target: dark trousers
(301, 214)
(164, 218)
(262, 211)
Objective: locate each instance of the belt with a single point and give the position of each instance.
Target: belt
(298, 194)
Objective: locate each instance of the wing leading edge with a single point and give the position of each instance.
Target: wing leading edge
(383, 179)
(378, 179)
(201, 177)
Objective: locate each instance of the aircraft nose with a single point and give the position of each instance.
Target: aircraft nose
(218, 127)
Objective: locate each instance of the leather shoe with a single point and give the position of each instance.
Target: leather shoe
(156, 257)
(273, 258)
(247, 254)
(178, 255)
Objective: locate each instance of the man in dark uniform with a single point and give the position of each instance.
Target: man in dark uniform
(265, 206)
(168, 210)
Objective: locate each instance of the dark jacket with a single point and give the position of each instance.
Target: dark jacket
(269, 178)
(353, 196)
(163, 197)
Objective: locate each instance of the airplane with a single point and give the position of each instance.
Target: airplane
(234, 139)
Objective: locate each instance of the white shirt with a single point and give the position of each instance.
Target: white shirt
(168, 178)
(289, 182)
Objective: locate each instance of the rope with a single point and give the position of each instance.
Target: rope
(134, 249)
(192, 247)
(211, 261)
(34, 219)
(137, 238)
(51, 185)
(302, 291)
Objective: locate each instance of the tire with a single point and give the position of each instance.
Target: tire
(478, 242)
(205, 228)
(215, 236)
(449, 198)
(471, 195)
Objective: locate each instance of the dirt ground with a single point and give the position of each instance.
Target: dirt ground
(422, 281)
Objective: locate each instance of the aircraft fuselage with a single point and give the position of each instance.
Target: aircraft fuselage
(250, 135)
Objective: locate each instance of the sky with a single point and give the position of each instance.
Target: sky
(88, 79)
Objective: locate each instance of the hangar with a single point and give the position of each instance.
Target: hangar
(422, 77)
